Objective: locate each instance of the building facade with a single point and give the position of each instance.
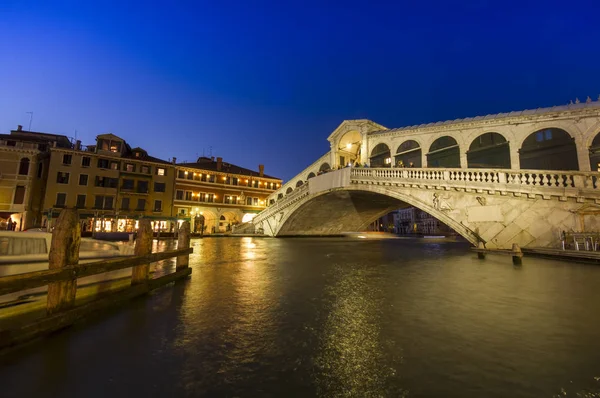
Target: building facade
(216, 196)
(24, 158)
(111, 185)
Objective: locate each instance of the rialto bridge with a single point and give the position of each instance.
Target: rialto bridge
(520, 177)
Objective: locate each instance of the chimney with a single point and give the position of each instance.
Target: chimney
(19, 128)
(78, 145)
(174, 160)
(219, 163)
(212, 158)
(261, 170)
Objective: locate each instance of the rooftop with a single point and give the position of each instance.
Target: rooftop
(209, 164)
(527, 112)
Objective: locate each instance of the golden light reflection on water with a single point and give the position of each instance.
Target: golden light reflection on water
(352, 360)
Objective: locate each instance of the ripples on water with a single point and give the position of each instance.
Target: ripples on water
(335, 318)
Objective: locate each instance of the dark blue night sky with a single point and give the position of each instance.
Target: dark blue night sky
(268, 81)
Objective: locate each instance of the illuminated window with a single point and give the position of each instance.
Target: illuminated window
(160, 171)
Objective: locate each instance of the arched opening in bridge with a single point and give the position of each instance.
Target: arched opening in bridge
(380, 156)
(299, 183)
(324, 168)
(444, 152)
(408, 152)
(489, 151)
(595, 153)
(355, 210)
(289, 190)
(279, 196)
(549, 149)
(311, 175)
(348, 148)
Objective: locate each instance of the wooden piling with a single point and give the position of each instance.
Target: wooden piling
(517, 255)
(481, 255)
(64, 252)
(143, 247)
(183, 242)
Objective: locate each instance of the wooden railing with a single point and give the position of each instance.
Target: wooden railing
(64, 270)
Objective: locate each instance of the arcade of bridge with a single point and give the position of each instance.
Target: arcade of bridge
(558, 138)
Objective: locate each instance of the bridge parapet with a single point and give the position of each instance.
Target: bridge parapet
(547, 184)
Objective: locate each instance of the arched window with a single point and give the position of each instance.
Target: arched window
(380, 156)
(408, 152)
(289, 190)
(444, 152)
(489, 150)
(24, 167)
(311, 175)
(549, 149)
(595, 153)
(299, 183)
(325, 167)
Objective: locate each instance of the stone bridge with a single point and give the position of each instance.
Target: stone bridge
(496, 207)
(520, 177)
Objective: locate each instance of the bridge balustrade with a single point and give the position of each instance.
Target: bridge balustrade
(539, 178)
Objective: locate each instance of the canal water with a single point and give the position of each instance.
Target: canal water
(334, 318)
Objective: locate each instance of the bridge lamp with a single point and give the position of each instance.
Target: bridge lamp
(185, 172)
(348, 145)
(224, 178)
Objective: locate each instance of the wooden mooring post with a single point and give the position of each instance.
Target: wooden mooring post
(143, 247)
(481, 254)
(517, 255)
(64, 252)
(183, 242)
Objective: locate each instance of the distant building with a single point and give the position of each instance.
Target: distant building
(24, 158)
(414, 221)
(217, 195)
(111, 185)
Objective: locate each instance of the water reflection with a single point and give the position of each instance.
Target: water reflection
(335, 318)
(351, 359)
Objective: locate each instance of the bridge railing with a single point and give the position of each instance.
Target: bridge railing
(533, 178)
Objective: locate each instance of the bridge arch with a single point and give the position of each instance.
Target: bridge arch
(289, 190)
(549, 148)
(408, 152)
(327, 212)
(299, 183)
(444, 152)
(310, 175)
(489, 150)
(380, 156)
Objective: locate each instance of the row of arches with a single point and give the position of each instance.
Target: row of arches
(547, 149)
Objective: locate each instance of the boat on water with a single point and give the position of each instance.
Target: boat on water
(32, 247)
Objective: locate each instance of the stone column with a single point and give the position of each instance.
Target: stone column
(583, 156)
(333, 155)
(364, 149)
(464, 163)
(515, 163)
